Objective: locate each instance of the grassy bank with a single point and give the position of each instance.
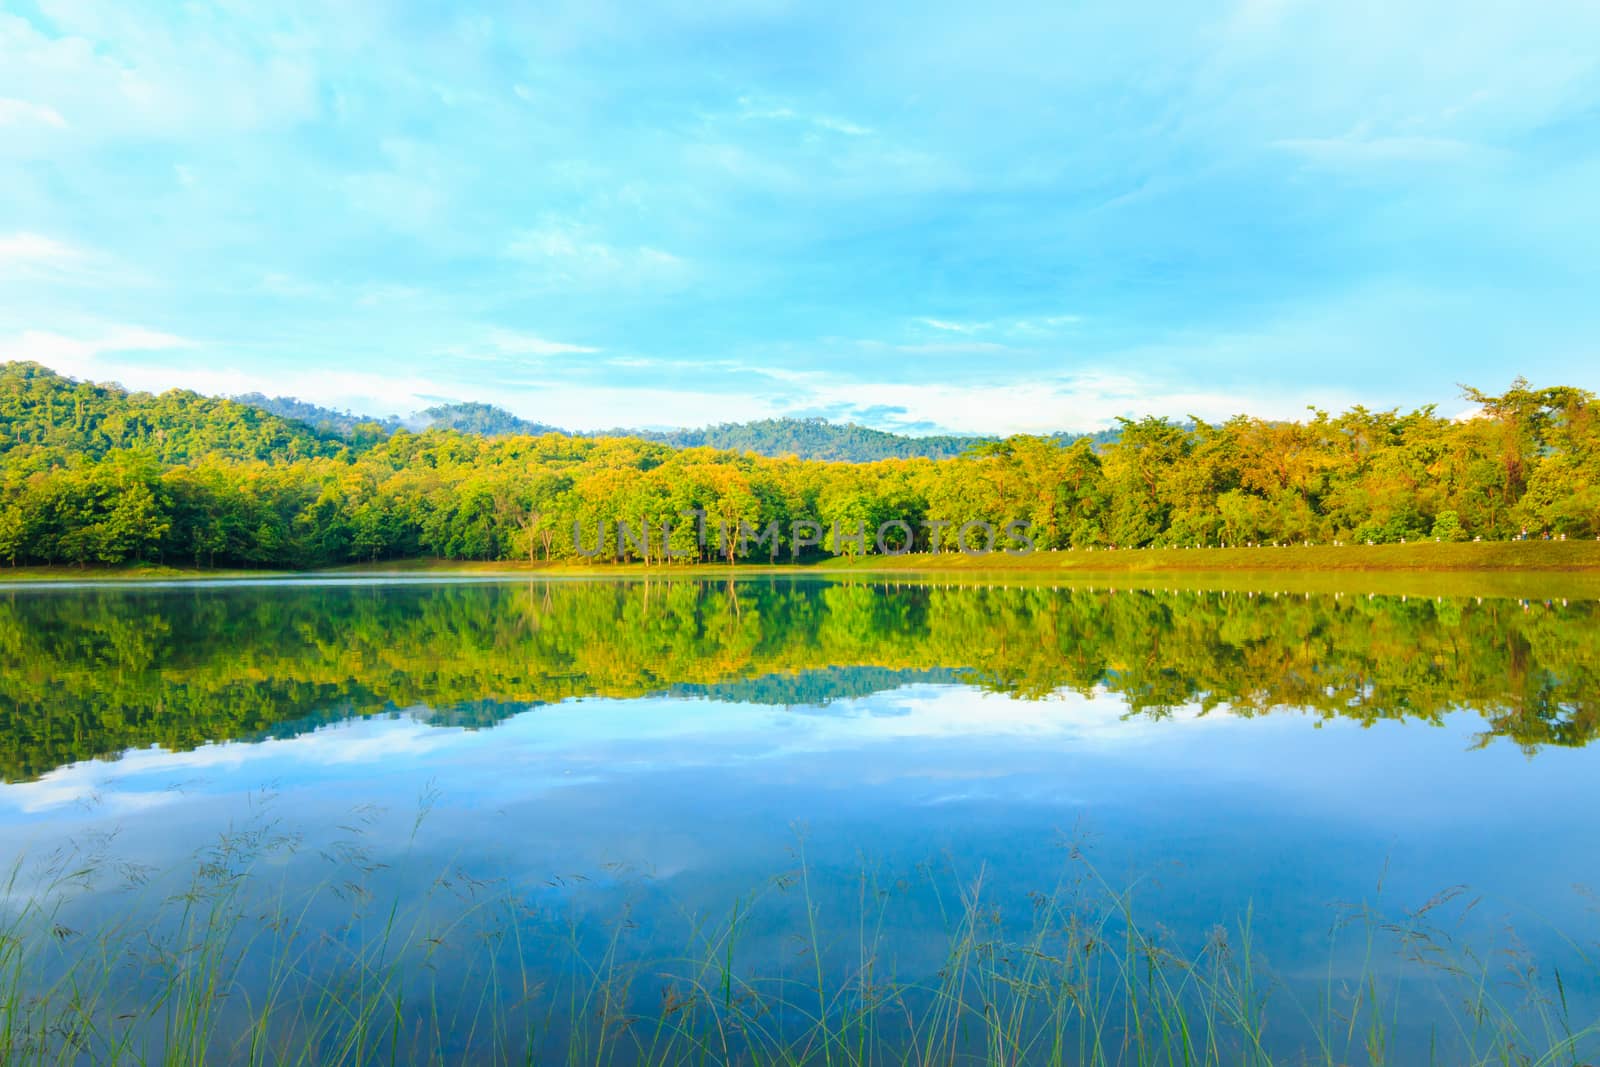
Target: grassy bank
(1418, 556)
(129, 572)
(1511, 556)
(1533, 569)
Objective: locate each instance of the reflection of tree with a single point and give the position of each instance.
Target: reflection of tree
(95, 673)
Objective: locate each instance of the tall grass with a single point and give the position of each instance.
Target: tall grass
(237, 962)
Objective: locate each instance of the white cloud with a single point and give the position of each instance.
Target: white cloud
(1044, 324)
(570, 255)
(81, 356)
(37, 257)
(1041, 324)
(588, 407)
(944, 348)
(112, 354)
(15, 112)
(752, 110)
(119, 73)
(512, 343)
(1358, 151)
(1078, 402)
(33, 249)
(849, 129)
(1024, 402)
(954, 327)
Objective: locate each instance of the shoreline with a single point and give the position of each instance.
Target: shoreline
(1529, 569)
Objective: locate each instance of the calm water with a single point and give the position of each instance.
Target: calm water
(630, 762)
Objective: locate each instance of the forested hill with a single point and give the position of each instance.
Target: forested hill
(44, 416)
(481, 419)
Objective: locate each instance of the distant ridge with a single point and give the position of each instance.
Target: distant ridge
(484, 420)
(181, 424)
(812, 438)
(804, 438)
(327, 420)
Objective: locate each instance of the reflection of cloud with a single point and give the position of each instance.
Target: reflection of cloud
(144, 778)
(606, 737)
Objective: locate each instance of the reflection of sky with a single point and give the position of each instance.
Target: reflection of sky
(1214, 812)
(672, 783)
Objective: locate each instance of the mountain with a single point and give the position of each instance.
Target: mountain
(326, 420)
(810, 439)
(1099, 438)
(485, 420)
(40, 409)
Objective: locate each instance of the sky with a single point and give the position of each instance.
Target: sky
(921, 216)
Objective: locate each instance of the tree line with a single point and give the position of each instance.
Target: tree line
(91, 474)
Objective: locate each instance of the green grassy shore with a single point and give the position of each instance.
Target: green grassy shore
(1536, 569)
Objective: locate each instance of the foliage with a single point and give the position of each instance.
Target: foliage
(219, 483)
(48, 421)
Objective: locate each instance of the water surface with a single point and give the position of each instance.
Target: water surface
(641, 756)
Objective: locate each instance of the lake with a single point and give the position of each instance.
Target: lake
(795, 820)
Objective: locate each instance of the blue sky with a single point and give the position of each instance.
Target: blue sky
(920, 216)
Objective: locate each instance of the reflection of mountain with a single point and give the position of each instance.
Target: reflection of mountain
(805, 692)
(814, 688)
(95, 672)
(467, 715)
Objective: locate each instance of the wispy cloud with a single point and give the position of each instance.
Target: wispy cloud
(19, 250)
(15, 112)
(954, 327)
(82, 355)
(1356, 151)
(370, 188)
(117, 73)
(1044, 323)
(514, 343)
(37, 257)
(1010, 325)
(933, 348)
(755, 110)
(569, 253)
(1084, 401)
